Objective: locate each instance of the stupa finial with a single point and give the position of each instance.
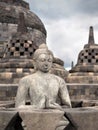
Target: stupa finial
(91, 36)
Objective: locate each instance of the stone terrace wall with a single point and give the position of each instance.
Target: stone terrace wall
(83, 91)
(8, 92)
(76, 91)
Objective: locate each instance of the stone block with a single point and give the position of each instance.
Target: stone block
(11, 119)
(79, 119)
(5, 118)
(41, 120)
(8, 91)
(2, 94)
(82, 118)
(19, 70)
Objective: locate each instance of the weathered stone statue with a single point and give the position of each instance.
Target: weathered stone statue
(45, 90)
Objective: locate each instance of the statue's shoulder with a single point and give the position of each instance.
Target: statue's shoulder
(58, 78)
(27, 78)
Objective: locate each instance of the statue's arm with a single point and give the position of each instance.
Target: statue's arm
(21, 94)
(64, 94)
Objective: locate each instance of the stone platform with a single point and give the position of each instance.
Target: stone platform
(82, 118)
(32, 120)
(79, 119)
(8, 92)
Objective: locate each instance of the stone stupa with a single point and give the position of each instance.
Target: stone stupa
(21, 33)
(83, 77)
(9, 17)
(86, 69)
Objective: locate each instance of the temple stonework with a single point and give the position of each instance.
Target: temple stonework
(86, 69)
(21, 33)
(17, 2)
(83, 77)
(9, 18)
(16, 60)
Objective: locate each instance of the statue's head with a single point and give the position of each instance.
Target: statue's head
(43, 58)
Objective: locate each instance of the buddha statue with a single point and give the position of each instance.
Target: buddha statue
(46, 90)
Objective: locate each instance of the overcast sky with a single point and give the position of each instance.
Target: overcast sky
(67, 23)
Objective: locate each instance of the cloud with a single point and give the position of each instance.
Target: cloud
(67, 37)
(63, 8)
(67, 23)
(53, 8)
(89, 7)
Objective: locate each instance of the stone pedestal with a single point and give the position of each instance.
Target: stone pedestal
(10, 119)
(82, 118)
(5, 119)
(41, 120)
(79, 119)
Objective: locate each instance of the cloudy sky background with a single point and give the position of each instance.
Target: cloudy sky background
(67, 23)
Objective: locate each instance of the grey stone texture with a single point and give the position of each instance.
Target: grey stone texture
(58, 68)
(5, 118)
(17, 2)
(83, 91)
(7, 92)
(6, 104)
(77, 92)
(41, 120)
(45, 90)
(21, 32)
(86, 69)
(79, 119)
(19, 48)
(82, 118)
(9, 17)
(11, 119)
(83, 77)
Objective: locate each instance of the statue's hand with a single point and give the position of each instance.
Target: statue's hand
(52, 105)
(65, 106)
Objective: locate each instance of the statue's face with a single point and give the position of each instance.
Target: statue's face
(44, 62)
